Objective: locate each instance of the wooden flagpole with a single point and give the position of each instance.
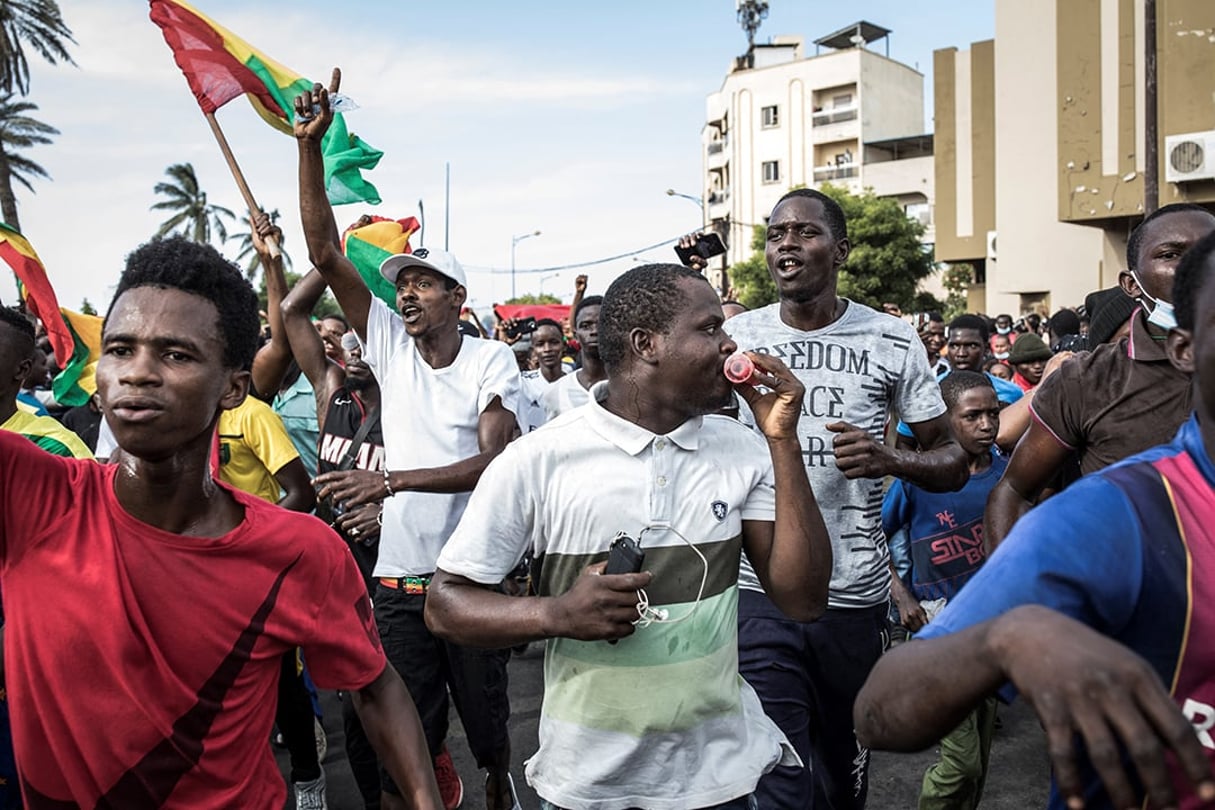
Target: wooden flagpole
(250, 203)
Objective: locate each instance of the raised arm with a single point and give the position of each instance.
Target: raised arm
(312, 119)
(1036, 460)
(323, 374)
(272, 360)
(792, 555)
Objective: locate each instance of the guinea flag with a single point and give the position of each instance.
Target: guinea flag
(371, 240)
(220, 66)
(76, 338)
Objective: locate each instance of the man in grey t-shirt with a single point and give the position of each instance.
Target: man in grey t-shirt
(857, 365)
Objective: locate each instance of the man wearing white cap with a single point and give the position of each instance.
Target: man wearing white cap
(448, 406)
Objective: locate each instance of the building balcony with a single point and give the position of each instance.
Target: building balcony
(841, 172)
(717, 201)
(718, 152)
(836, 115)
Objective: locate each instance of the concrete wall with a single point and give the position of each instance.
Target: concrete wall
(1036, 252)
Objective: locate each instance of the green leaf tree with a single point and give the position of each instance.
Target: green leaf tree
(87, 308)
(886, 264)
(328, 305)
(19, 131)
(192, 216)
(38, 24)
(532, 298)
(957, 281)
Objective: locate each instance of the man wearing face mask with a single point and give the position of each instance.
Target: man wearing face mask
(1119, 399)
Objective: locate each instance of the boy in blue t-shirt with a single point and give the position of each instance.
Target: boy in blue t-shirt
(946, 532)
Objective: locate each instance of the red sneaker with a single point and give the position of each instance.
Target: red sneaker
(451, 789)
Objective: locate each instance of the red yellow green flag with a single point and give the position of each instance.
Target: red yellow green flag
(371, 240)
(76, 338)
(219, 66)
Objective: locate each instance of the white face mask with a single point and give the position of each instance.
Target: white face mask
(1003, 330)
(1162, 311)
(1001, 355)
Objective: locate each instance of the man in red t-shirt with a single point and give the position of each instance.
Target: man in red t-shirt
(149, 606)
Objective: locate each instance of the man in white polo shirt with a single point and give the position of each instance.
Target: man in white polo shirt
(643, 704)
(448, 406)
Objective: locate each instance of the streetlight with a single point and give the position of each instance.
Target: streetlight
(700, 203)
(514, 240)
(544, 279)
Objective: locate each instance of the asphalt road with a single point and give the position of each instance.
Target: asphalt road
(1018, 777)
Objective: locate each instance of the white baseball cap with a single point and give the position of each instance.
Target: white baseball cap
(437, 261)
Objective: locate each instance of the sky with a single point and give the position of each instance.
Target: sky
(569, 118)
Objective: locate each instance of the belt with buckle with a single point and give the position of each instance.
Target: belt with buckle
(406, 584)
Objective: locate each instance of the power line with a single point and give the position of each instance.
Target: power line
(556, 268)
(472, 268)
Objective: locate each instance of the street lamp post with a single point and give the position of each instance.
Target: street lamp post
(700, 203)
(544, 279)
(514, 240)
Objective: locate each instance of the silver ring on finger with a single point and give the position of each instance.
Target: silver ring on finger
(354, 531)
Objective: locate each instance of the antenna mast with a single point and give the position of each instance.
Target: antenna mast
(750, 14)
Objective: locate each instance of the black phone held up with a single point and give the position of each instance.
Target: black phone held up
(624, 556)
(524, 326)
(707, 246)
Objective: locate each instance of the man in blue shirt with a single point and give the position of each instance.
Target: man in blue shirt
(1091, 625)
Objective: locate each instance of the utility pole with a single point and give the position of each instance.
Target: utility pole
(1151, 157)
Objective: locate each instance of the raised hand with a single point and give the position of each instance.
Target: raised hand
(312, 112)
(778, 411)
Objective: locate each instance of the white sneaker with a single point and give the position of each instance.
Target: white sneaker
(311, 795)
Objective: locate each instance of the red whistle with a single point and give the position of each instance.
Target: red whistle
(740, 369)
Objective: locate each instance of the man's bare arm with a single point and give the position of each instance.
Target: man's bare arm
(272, 360)
(298, 493)
(1080, 684)
(1036, 460)
(312, 119)
(940, 466)
(323, 374)
(391, 721)
(495, 428)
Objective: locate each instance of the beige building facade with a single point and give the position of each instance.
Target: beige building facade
(1041, 143)
(847, 115)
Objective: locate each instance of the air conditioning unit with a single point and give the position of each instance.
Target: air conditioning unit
(991, 246)
(1189, 157)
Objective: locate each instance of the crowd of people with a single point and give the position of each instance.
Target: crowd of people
(725, 574)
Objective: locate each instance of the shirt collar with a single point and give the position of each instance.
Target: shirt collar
(631, 437)
(1140, 345)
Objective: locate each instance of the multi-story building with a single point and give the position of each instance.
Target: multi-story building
(847, 115)
(1042, 144)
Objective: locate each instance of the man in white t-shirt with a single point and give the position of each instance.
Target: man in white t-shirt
(448, 406)
(573, 390)
(857, 365)
(545, 346)
(643, 704)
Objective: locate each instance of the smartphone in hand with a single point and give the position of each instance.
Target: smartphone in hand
(707, 246)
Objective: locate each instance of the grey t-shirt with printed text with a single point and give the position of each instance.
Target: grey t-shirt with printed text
(856, 370)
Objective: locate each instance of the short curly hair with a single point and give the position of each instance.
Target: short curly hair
(1135, 241)
(646, 297)
(837, 223)
(957, 383)
(179, 264)
(18, 322)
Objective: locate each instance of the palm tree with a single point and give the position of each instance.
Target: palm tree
(247, 251)
(191, 211)
(19, 131)
(37, 23)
